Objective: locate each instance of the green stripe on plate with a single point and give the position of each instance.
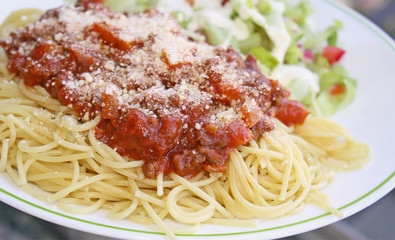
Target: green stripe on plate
(343, 9)
(74, 218)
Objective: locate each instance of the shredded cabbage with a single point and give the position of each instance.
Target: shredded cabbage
(132, 6)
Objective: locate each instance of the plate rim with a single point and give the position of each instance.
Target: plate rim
(69, 217)
(385, 185)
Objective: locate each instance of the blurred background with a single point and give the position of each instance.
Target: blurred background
(375, 222)
(381, 12)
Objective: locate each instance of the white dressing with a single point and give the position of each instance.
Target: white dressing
(174, 5)
(298, 79)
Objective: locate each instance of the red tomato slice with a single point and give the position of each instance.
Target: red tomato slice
(337, 89)
(333, 54)
(292, 112)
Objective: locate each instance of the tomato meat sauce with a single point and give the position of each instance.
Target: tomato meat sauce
(179, 105)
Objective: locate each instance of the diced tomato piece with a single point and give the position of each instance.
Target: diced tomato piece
(16, 62)
(224, 2)
(241, 134)
(111, 35)
(228, 92)
(252, 114)
(110, 110)
(337, 89)
(83, 56)
(44, 49)
(333, 54)
(191, 2)
(292, 112)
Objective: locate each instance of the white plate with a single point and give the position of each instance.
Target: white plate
(370, 58)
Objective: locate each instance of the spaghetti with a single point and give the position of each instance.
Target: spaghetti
(42, 142)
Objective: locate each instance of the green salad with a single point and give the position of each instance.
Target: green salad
(280, 35)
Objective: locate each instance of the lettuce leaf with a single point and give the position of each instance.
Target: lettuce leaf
(264, 57)
(329, 103)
